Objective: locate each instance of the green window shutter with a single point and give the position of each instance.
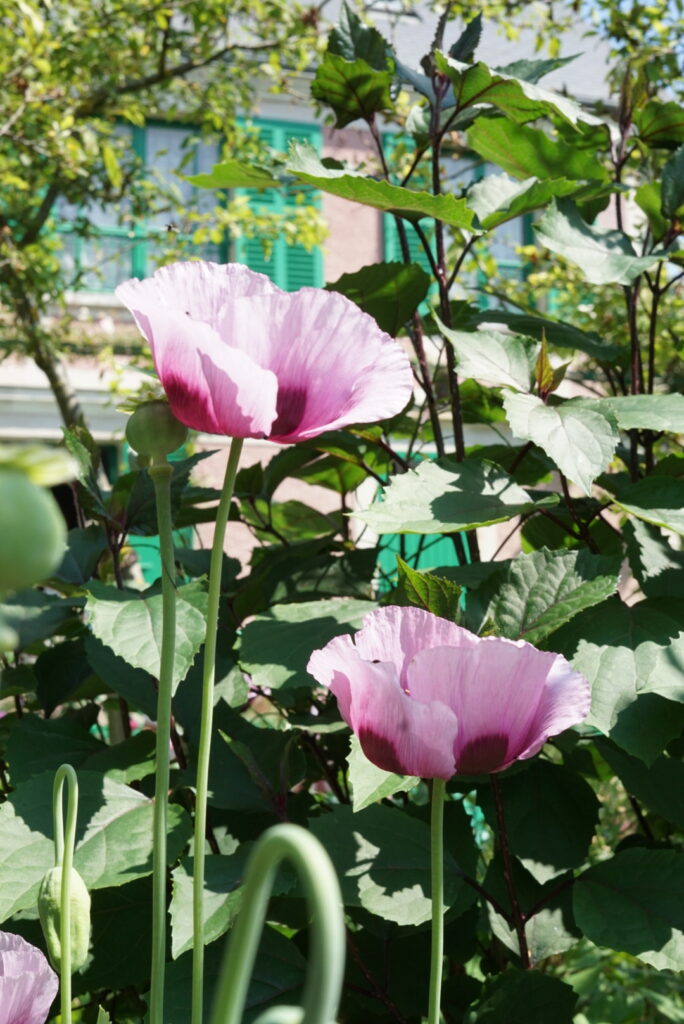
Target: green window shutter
(289, 266)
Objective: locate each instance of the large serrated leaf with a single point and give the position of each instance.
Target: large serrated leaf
(275, 648)
(544, 589)
(634, 903)
(524, 152)
(580, 441)
(130, 623)
(446, 496)
(305, 164)
(605, 255)
(113, 837)
(435, 594)
(626, 652)
(501, 360)
(642, 412)
(389, 292)
(517, 997)
(656, 499)
(520, 100)
(497, 199)
(352, 88)
(382, 858)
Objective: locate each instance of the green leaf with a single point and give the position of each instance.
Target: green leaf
(112, 165)
(35, 615)
(497, 199)
(605, 255)
(382, 858)
(647, 197)
(541, 591)
(351, 39)
(672, 185)
(234, 174)
(61, 673)
(134, 685)
(580, 441)
(521, 101)
(424, 590)
(659, 786)
(130, 624)
(121, 939)
(661, 124)
(525, 152)
(38, 745)
(642, 412)
(523, 997)
(275, 648)
(113, 837)
(551, 815)
(306, 166)
(557, 333)
(277, 978)
(352, 88)
(389, 292)
(84, 549)
(634, 903)
(446, 496)
(467, 43)
(626, 651)
(656, 499)
(500, 360)
(222, 896)
(657, 565)
(370, 783)
(125, 762)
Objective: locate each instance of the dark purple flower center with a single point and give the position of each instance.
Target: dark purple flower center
(290, 409)
(381, 752)
(485, 754)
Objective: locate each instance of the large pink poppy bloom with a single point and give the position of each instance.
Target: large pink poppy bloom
(426, 697)
(238, 356)
(28, 984)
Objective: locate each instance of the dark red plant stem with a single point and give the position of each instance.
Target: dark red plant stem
(641, 817)
(493, 902)
(548, 897)
(582, 527)
(378, 992)
(517, 915)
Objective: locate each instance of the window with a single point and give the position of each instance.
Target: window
(116, 249)
(288, 266)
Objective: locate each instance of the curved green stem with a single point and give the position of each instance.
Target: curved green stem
(327, 944)
(64, 858)
(437, 866)
(207, 716)
(161, 477)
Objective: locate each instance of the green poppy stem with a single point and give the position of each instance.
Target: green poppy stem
(437, 866)
(327, 944)
(161, 473)
(207, 716)
(64, 857)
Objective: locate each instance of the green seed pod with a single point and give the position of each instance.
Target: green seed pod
(153, 430)
(32, 532)
(49, 901)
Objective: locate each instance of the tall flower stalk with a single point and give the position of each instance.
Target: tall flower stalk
(437, 895)
(161, 473)
(207, 717)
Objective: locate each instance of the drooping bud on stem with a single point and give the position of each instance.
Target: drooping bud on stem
(49, 911)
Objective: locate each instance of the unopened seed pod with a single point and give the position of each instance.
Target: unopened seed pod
(153, 430)
(49, 904)
(32, 532)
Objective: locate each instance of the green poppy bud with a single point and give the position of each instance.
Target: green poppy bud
(32, 531)
(49, 904)
(154, 431)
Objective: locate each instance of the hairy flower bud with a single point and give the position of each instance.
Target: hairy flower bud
(32, 531)
(49, 911)
(154, 431)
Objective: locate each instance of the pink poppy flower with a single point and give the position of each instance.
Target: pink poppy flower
(426, 697)
(28, 984)
(238, 356)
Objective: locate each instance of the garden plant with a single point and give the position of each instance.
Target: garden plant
(455, 765)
